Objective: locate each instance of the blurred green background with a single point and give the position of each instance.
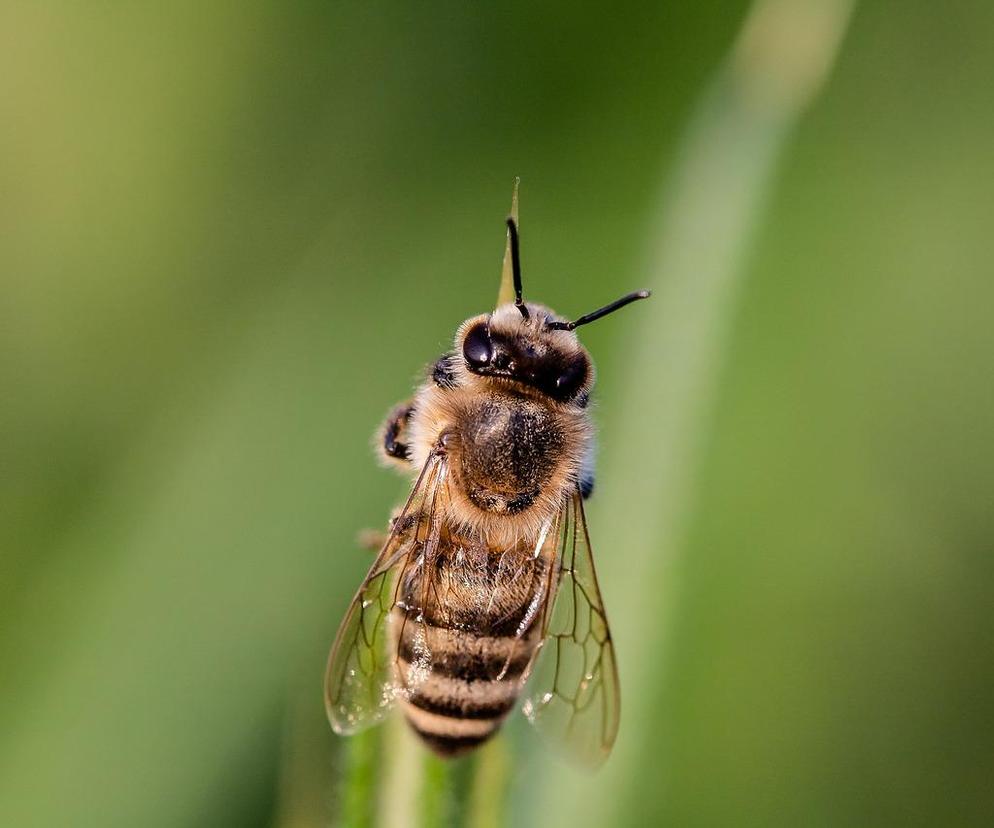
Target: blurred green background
(232, 233)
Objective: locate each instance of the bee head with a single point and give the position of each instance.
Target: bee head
(527, 344)
(505, 347)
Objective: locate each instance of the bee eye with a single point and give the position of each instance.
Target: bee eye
(477, 347)
(570, 379)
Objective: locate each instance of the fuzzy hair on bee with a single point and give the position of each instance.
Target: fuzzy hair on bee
(514, 448)
(488, 563)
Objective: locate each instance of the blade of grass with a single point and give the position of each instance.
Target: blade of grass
(401, 775)
(489, 786)
(705, 221)
(446, 791)
(465, 792)
(358, 794)
(506, 292)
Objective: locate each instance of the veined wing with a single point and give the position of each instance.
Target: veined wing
(361, 684)
(573, 696)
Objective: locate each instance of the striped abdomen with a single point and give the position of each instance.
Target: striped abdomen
(465, 635)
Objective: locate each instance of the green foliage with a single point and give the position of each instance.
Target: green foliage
(359, 792)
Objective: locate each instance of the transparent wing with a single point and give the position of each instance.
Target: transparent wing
(572, 696)
(360, 683)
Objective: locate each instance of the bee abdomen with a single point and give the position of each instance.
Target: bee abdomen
(459, 685)
(450, 707)
(453, 715)
(450, 746)
(463, 654)
(450, 735)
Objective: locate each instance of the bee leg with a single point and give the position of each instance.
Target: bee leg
(585, 477)
(393, 440)
(586, 484)
(442, 372)
(372, 540)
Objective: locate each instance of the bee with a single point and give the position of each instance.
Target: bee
(485, 591)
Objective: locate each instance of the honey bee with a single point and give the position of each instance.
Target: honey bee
(485, 591)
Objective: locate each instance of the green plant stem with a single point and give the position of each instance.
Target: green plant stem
(401, 772)
(489, 785)
(358, 791)
(445, 791)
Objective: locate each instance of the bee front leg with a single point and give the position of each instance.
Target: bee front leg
(585, 478)
(393, 441)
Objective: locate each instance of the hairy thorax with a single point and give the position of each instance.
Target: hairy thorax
(509, 450)
(511, 456)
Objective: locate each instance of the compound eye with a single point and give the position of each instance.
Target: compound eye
(569, 381)
(477, 348)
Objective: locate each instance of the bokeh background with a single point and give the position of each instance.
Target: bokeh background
(232, 233)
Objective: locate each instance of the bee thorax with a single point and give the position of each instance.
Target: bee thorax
(509, 450)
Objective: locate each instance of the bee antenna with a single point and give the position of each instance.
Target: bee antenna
(593, 316)
(512, 232)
